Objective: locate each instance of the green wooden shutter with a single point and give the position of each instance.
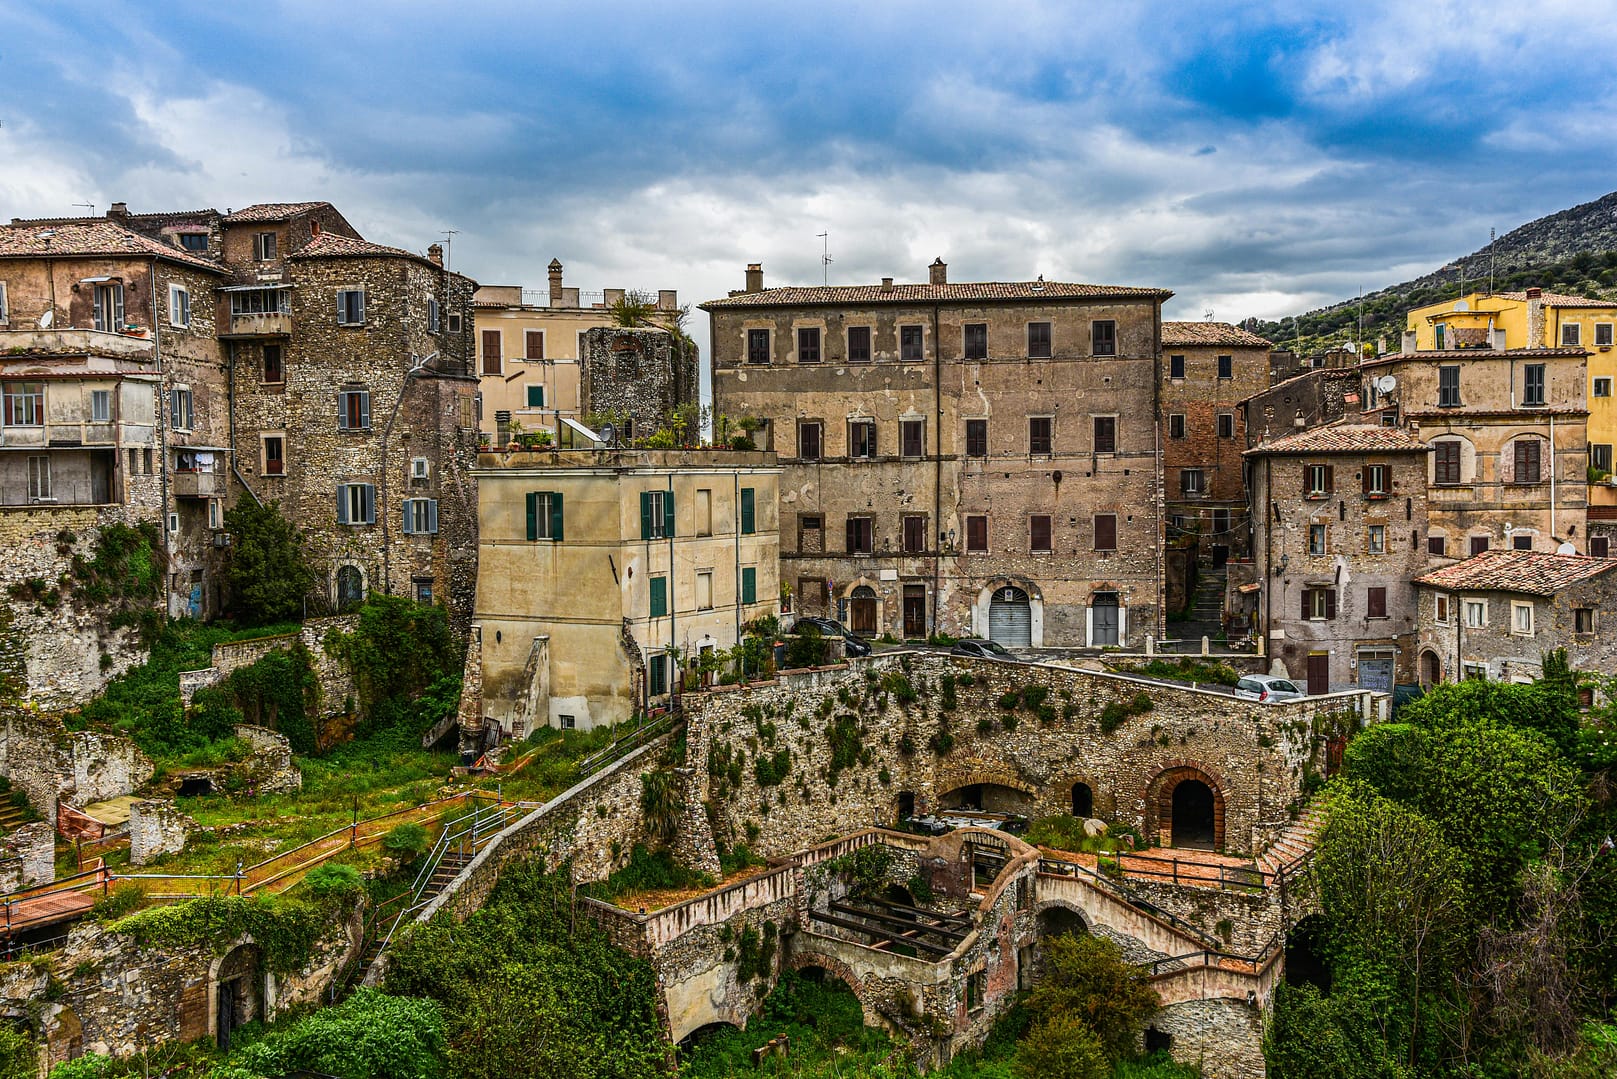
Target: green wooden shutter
(749, 585)
(645, 515)
(748, 524)
(533, 515)
(555, 516)
(659, 596)
(668, 514)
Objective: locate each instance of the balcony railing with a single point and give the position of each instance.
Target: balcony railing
(261, 324)
(199, 484)
(70, 341)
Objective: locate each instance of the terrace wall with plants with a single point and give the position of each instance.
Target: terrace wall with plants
(47, 762)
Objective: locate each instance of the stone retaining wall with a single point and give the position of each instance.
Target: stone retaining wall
(156, 828)
(49, 762)
(336, 683)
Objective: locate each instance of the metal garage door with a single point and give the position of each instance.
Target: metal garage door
(1375, 671)
(1010, 618)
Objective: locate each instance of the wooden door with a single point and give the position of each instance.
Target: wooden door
(1319, 674)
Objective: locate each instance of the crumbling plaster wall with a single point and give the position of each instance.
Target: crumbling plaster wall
(48, 762)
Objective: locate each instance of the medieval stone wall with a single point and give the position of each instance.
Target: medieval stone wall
(48, 762)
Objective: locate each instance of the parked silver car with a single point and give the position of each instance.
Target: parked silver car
(1267, 688)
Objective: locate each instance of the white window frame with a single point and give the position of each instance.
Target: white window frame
(1324, 546)
(1318, 480)
(1603, 386)
(1319, 604)
(1376, 538)
(263, 453)
(39, 478)
(179, 306)
(1192, 481)
(544, 353)
(100, 406)
(215, 513)
(701, 573)
(1477, 607)
(262, 251)
(5, 310)
(23, 402)
(453, 322)
(1571, 335)
(181, 409)
(343, 307)
(1521, 613)
(420, 516)
(420, 468)
(109, 294)
(1603, 330)
(360, 497)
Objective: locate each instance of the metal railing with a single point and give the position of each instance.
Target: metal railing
(628, 743)
(1058, 867)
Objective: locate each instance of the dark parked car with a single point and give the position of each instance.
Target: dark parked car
(982, 650)
(830, 627)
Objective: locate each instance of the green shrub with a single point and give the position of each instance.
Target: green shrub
(334, 880)
(19, 1057)
(407, 842)
(1061, 1047)
(371, 1035)
(770, 770)
(1085, 977)
(121, 900)
(1010, 699)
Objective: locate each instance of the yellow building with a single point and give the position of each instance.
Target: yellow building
(593, 564)
(528, 351)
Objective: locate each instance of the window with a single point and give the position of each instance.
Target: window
(179, 307)
(862, 438)
(356, 504)
(493, 351)
(749, 512)
(1448, 386)
(1105, 434)
(1317, 538)
(1221, 522)
(1475, 672)
(100, 406)
(976, 989)
(659, 597)
(1446, 463)
(536, 396)
(1039, 435)
(749, 584)
(434, 324)
(1533, 384)
(274, 455)
(859, 344)
(1226, 367)
(975, 340)
(808, 441)
(1583, 619)
(1318, 480)
(1476, 613)
(1479, 544)
(656, 515)
(1521, 541)
(1319, 604)
(263, 246)
(861, 535)
(1571, 335)
(1437, 545)
(1176, 367)
(109, 308)
(354, 410)
(1376, 539)
(704, 511)
(1039, 539)
(39, 479)
(1038, 341)
(1375, 602)
(976, 438)
(5, 313)
(1602, 387)
(423, 589)
(1526, 453)
(544, 515)
(911, 437)
(1105, 531)
(420, 516)
(420, 468)
(914, 533)
(657, 675)
(1192, 481)
(1375, 481)
(1176, 425)
(180, 415)
(704, 590)
(1603, 336)
(910, 344)
(193, 241)
(1599, 547)
(1226, 425)
(533, 344)
(757, 346)
(1521, 619)
(1440, 610)
(25, 404)
(808, 344)
(976, 533)
(274, 371)
(1600, 456)
(1103, 337)
(351, 307)
(454, 323)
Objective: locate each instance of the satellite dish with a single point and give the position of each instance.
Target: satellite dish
(1386, 384)
(609, 434)
(1461, 305)
(1566, 548)
(46, 319)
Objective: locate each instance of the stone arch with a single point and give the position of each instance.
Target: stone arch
(1431, 668)
(1057, 917)
(985, 599)
(865, 606)
(238, 990)
(1102, 802)
(1014, 793)
(62, 1035)
(809, 960)
(708, 1029)
(348, 584)
(1160, 800)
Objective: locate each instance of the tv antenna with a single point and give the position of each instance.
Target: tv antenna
(449, 243)
(1491, 234)
(87, 206)
(825, 257)
(1207, 315)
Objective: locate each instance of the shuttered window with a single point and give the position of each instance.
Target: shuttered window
(351, 307)
(1106, 532)
(975, 340)
(976, 533)
(492, 349)
(1319, 603)
(1038, 340)
(1527, 460)
(534, 340)
(859, 344)
(659, 597)
(749, 584)
(976, 438)
(420, 516)
(749, 523)
(1318, 480)
(911, 437)
(354, 410)
(544, 515)
(1446, 460)
(356, 504)
(1103, 337)
(911, 347)
(1039, 437)
(862, 438)
(1376, 602)
(1105, 434)
(656, 514)
(1039, 539)
(809, 442)
(861, 535)
(808, 345)
(757, 346)
(914, 533)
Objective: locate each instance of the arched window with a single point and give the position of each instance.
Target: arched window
(350, 586)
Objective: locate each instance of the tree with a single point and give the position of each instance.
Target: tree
(1087, 979)
(1311, 1036)
(1061, 1047)
(268, 573)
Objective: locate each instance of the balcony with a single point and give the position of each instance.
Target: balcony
(198, 484)
(73, 342)
(260, 324)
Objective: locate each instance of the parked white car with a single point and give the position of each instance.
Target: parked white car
(1267, 688)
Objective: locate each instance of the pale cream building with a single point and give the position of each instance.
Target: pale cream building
(594, 564)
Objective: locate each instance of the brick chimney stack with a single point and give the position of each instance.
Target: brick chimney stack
(118, 211)
(1536, 328)
(435, 254)
(555, 282)
(940, 271)
(755, 277)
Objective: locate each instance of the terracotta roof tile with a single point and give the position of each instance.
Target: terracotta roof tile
(1532, 573)
(95, 236)
(1345, 438)
(966, 292)
(1454, 355)
(1557, 299)
(271, 211)
(1191, 334)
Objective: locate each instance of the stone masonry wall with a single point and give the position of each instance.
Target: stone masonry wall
(336, 682)
(637, 375)
(156, 828)
(48, 763)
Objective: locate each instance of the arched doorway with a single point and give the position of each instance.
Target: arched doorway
(238, 988)
(862, 610)
(1185, 808)
(1431, 668)
(1053, 921)
(350, 586)
(1010, 618)
(1083, 800)
(1193, 814)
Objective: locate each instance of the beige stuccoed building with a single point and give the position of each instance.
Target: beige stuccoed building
(593, 564)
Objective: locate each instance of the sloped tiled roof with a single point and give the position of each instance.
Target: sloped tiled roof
(94, 237)
(329, 245)
(1191, 334)
(271, 211)
(1455, 355)
(1532, 573)
(966, 292)
(1557, 299)
(1344, 438)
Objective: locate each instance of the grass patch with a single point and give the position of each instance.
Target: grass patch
(1188, 669)
(647, 872)
(1066, 832)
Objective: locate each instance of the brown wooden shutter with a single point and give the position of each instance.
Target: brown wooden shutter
(491, 352)
(1330, 603)
(1306, 488)
(1378, 603)
(853, 535)
(536, 346)
(1364, 479)
(1330, 478)
(1106, 532)
(1308, 606)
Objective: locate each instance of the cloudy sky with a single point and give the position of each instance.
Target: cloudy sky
(1256, 158)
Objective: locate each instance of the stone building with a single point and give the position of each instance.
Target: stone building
(639, 378)
(972, 459)
(1312, 399)
(1495, 614)
(1339, 526)
(530, 352)
(602, 570)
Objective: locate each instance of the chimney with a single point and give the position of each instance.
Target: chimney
(755, 277)
(1409, 342)
(435, 254)
(887, 284)
(1536, 330)
(118, 209)
(555, 283)
(1532, 293)
(940, 271)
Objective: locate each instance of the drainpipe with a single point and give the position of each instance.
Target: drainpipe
(162, 428)
(937, 476)
(735, 478)
(1268, 562)
(673, 594)
(1161, 496)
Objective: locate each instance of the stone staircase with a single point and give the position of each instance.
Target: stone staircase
(1206, 610)
(1296, 842)
(11, 816)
